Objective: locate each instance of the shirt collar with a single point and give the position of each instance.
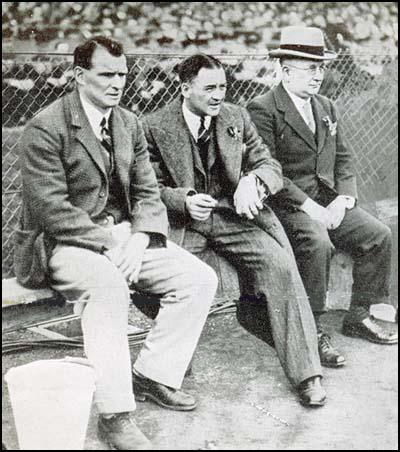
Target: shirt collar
(95, 116)
(298, 101)
(193, 121)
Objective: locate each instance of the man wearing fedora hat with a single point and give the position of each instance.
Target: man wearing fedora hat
(318, 203)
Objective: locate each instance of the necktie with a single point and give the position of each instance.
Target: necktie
(106, 137)
(106, 142)
(203, 141)
(309, 116)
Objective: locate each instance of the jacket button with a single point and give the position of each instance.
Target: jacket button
(102, 194)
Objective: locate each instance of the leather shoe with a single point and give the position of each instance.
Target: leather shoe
(370, 330)
(329, 356)
(173, 399)
(311, 392)
(121, 432)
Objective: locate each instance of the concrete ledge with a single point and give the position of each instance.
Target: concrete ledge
(13, 293)
(339, 288)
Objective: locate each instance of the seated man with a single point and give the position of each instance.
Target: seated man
(93, 225)
(317, 205)
(209, 162)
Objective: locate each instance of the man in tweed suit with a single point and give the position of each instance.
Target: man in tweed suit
(317, 205)
(93, 225)
(212, 169)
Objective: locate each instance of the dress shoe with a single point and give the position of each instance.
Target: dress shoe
(167, 397)
(311, 392)
(121, 432)
(329, 356)
(370, 330)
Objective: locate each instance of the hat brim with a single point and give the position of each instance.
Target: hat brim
(328, 54)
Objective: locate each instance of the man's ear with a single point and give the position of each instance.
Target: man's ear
(285, 72)
(186, 90)
(78, 74)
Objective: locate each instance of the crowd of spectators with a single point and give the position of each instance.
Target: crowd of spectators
(234, 29)
(180, 26)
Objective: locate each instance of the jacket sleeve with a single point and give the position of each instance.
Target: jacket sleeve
(257, 158)
(345, 179)
(265, 122)
(45, 191)
(172, 196)
(148, 213)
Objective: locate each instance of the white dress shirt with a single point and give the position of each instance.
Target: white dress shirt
(299, 103)
(193, 121)
(94, 116)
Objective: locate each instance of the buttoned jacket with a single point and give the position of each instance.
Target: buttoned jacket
(308, 161)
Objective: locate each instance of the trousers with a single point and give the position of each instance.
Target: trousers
(101, 295)
(365, 238)
(273, 304)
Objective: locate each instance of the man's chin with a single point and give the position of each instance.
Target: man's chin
(315, 89)
(214, 111)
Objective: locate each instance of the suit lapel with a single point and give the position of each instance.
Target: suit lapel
(122, 146)
(230, 148)
(84, 131)
(173, 140)
(319, 113)
(293, 117)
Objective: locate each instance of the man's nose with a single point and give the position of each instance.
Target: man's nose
(219, 94)
(118, 81)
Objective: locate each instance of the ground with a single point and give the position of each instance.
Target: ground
(245, 401)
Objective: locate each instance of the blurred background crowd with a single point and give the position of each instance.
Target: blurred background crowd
(185, 26)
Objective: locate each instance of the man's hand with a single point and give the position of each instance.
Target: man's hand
(128, 256)
(246, 198)
(200, 206)
(317, 212)
(337, 209)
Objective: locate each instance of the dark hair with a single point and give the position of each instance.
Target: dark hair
(190, 67)
(83, 53)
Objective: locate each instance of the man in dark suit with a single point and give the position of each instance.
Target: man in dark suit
(93, 226)
(317, 205)
(212, 169)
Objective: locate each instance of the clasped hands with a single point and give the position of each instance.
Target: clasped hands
(332, 215)
(247, 200)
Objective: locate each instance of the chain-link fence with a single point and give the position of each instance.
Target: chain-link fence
(364, 89)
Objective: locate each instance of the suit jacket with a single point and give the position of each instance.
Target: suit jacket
(65, 185)
(308, 162)
(241, 152)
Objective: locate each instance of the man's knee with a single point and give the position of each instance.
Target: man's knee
(205, 277)
(316, 244)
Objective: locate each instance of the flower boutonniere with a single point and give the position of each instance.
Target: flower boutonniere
(332, 126)
(234, 132)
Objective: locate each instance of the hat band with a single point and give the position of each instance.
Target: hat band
(312, 50)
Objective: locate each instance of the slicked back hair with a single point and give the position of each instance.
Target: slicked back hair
(83, 54)
(190, 67)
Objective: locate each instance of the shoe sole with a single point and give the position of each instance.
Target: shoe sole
(141, 397)
(313, 404)
(375, 341)
(333, 365)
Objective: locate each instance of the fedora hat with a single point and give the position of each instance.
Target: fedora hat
(303, 42)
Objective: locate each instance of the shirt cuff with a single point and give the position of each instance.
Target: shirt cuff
(350, 201)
